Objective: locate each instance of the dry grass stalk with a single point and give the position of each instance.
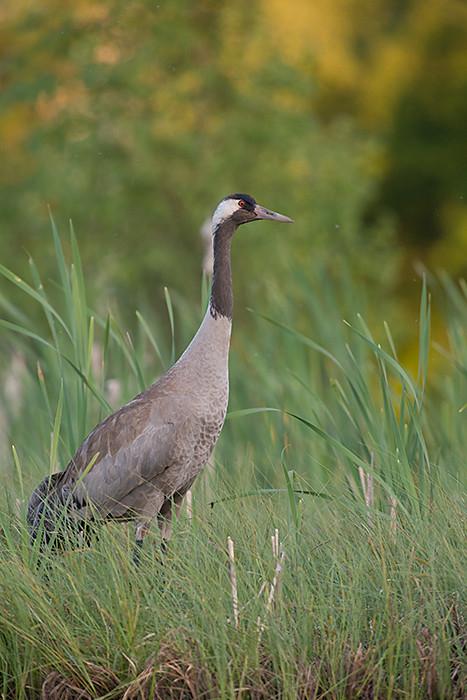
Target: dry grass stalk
(275, 543)
(393, 516)
(426, 647)
(18, 507)
(308, 682)
(189, 504)
(233, 580)
(14, 381)
(262, 682)
(279, 555)
(12, 386)
(172, 675)
(366, 481)
(360, 672)
(142, 688)
(58, 687)
(458, 652)
(276, 581)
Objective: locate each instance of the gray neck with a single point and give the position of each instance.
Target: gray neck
(221, 303)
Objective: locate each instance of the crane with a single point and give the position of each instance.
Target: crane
(140, 461)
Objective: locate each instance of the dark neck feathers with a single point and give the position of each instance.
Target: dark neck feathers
(221, 303)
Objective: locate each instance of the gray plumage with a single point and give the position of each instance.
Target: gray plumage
(146, 455)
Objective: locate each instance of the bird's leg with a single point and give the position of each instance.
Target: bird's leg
(142, 529)
(164, 518)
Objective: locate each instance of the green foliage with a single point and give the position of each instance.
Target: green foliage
(342, 585)
(357, 464)
(425, 180)
(135, 119)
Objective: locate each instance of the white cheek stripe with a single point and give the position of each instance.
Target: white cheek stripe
(225, 209)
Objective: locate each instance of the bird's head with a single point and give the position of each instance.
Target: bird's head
(238, 209)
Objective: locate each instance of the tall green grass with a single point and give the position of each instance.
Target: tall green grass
(330, 440)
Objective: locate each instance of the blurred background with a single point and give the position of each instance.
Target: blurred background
(134, 118)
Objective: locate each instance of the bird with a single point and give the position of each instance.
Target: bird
(140, 461)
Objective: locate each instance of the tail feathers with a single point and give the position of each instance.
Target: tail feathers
(45, 508)
(50, 516)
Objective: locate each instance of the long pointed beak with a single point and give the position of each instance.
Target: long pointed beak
(263, 213)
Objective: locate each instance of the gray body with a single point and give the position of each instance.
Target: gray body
(145, 456)
(166, 434)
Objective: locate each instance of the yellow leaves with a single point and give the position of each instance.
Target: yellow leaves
(244, 49)
(91, 10)
(318, 28)
(189, 82)
(13, 8)
(393, 69)
(366, 49)
(15, 125)
(72, 96)
(400, 56)
(107, 54)
(430, 14)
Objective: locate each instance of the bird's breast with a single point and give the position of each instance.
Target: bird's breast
(202, 373)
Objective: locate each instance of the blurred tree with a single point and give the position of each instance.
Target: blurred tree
(400, 68)
(426, 175)
(134, 118)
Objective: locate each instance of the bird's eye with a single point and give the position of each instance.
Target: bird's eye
(242, 203)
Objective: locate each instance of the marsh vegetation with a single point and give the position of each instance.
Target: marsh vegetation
(337, 479)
